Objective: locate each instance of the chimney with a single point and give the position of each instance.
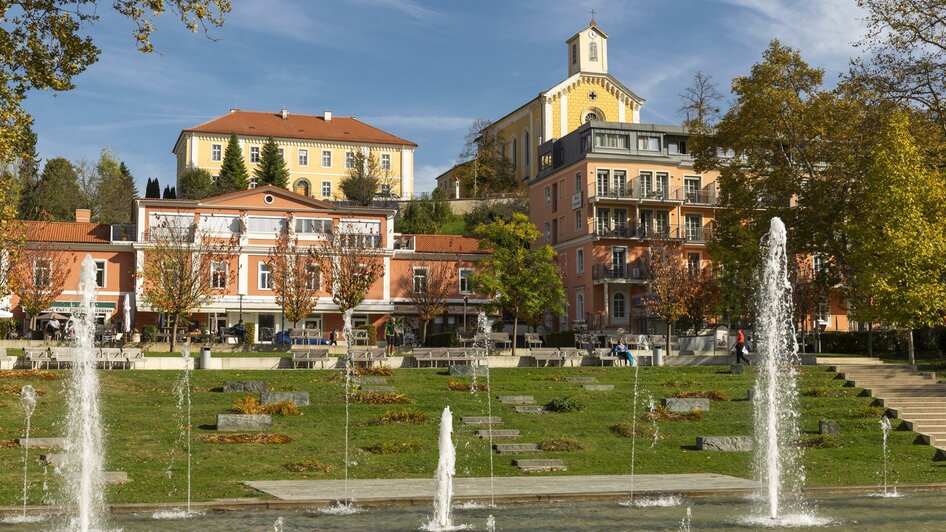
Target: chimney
(233, 110)
(327, 115)
(284, 113)
(83, 216)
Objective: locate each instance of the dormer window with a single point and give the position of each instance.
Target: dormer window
(593, 51)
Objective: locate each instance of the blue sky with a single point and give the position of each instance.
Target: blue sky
(422, 70)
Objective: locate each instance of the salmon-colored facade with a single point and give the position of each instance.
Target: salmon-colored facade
(250, 220)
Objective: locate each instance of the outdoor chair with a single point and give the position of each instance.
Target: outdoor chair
(500, 339)
(109, 356)
(546, 356)
(605, 356)
(305, 354)
(133, 356)
(573, 356)
(533, 340)
(37, 357)
(62, 355)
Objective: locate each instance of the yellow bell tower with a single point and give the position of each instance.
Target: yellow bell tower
(588, 51)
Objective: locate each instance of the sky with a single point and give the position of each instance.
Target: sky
(421, 70)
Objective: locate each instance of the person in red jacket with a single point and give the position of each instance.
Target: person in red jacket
(741, 348)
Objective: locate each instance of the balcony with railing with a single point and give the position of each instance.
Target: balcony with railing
(697, 235)
(603, 230)
(634, 271)
(706, 196)
(184, 233)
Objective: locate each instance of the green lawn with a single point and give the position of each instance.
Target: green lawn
(140, 409)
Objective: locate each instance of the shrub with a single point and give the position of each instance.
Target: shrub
(564, 405)
(498, 325)
(8, 444)
(464, 385)
(560, 445)
(870, 412)
(372, 332)
(560, 339)
(239, 437)
(411, 416)
(820, 441)
(387, 447)
(380, 371)
(249, 404)
(149, 333)
(625, 429)
(391, 398)
(7, 326)
(250, 332)
(713, 395)
(661, 413)
(441, 340)
(308, 466)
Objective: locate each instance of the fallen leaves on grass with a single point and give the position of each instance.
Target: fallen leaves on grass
(821, 441)
(410, 416)
(679, 383)
(380, 371)
(562, 445)
(712, 395)
(249, 404)
(239, 437)
(308, 466)
(816, 391)
(390, 398)
(388, 447)
(463, 385)
(625, 429)
(662, 413)
(32, 374)
(10, 389)
(8, 444)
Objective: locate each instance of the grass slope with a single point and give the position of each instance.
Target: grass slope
(141, 411)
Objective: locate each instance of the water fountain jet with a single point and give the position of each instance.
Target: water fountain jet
(443, 478)
(28, 403)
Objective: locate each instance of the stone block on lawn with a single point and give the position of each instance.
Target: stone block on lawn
(530, 409)
(725, 444)
(482, 420)
(538, 466)
(516, 399)
(246, 386)
(370, 380)
(244, 422)
(42, 443)
(377, 389)
(300, 398)
(497, 433)
(581, 380)
(515, 448)
(468, 370)
(686, 404)
(52, 459)
(598, 387)
(750, 395)
(115, 477)
(829, 427)
(737, 369)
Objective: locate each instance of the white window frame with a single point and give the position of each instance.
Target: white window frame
(579, 261)
(463, 276)
(548, 195)
(303, 157)
(324, 195)
(282, 153)
(349, 160)
(415, 277)
(216, 152)
(385, 189)
(385, 161)
(548, 232)
(326, 155)
(214, 271)
(624, 301)
(313, 277)
(578, 219)
(47, 272)
(263, 268)
(254, 154)
(580, 304)
(104, 264)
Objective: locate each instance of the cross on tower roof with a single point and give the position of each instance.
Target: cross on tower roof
(593, 17)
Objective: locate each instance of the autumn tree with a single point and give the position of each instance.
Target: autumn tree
(364, 179)
(195, 183)
(25, 167)
(669, 284)
(522, 276)
(271, 169)
(296, 277)
(485, 168)
(233, 175)
(185, 268)
(702, 296)
(38, 276)
(809, 291)
(116, 191)
(428, 287)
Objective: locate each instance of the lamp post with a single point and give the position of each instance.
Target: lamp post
(241, 307)
(822, 324)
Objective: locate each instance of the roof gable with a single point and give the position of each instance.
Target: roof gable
(257, 197)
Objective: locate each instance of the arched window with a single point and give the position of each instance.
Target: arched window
(579, 306)
(593, 51)
(619, 306)
(301, 187)
(514, 152)
(527, 147)
(591, 116)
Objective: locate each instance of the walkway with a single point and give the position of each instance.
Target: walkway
(509, 488)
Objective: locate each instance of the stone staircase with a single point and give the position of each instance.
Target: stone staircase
(917, 399)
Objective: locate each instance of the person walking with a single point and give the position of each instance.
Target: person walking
(740, 348)
(333, 337)
(390, 335)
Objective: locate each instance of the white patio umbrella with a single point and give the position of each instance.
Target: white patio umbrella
(127, 314)
(4, 314)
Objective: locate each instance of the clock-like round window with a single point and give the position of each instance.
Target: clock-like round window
(268, 198)
(591, 117)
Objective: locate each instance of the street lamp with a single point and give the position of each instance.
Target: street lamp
(466, 299)
(821, 324)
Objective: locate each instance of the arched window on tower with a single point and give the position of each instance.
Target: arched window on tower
(593, 51)
(591, 116)
(301, 187)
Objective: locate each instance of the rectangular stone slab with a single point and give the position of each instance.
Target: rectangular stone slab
(598, 387)
(514, 448)
(42, 443)
(115, 477)
(300, 398)
(536, 466)
(377, 389)
(530, 409)
(515, 399)
(688, 404)
(502, 433)
(581, 380)
(53, 459)
(476, 420)
(244, 422)
(828, 426)
(245, 386)
(370, 380)
(725, 444)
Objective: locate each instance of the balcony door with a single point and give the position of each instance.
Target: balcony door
(647, 223)
(604, 222)
(647, 184)
(693, 226)
(619, 262)
(662, 223)
(691, 187)
(601, 188)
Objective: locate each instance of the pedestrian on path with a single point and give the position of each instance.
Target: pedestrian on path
(740, 348)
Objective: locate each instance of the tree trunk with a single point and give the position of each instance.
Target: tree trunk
(910, 358)
(870, 339)
(515, 332)
(173, 333)
(669, 325)
(423, 332)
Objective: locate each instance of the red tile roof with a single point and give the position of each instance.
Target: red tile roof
(70, 232)
(296, 126)
(446, 244)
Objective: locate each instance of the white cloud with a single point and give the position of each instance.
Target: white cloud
(419, 122)
(425, 177)
(407, 7)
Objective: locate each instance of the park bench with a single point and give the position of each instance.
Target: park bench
(359, 337)
(369, 356)
(572, 356)
(62, 355)
(547, 356)
(308, 355)
(533, 340)
(605, 356)
(108, 357)
(37, 357)
(500, 339)
(133, 356)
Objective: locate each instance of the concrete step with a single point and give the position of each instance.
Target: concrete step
(516, 448)
(531, 409)
(598, 387)
(477, 420)
(932, 416)
(581, 380)
(498, 434)
(852, 361)
(52, 459)
(892, 381)
(906, 391)
(42, 443)
(539, 466)
(516, 399)
(907, 402)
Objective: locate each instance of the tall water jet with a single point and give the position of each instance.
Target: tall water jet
(777, 458)
(885, 427)
(28, 402)
(633, 433)
(481, 340)
(184, 407)
(443, 479)
(83, 468)
(347, 332)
